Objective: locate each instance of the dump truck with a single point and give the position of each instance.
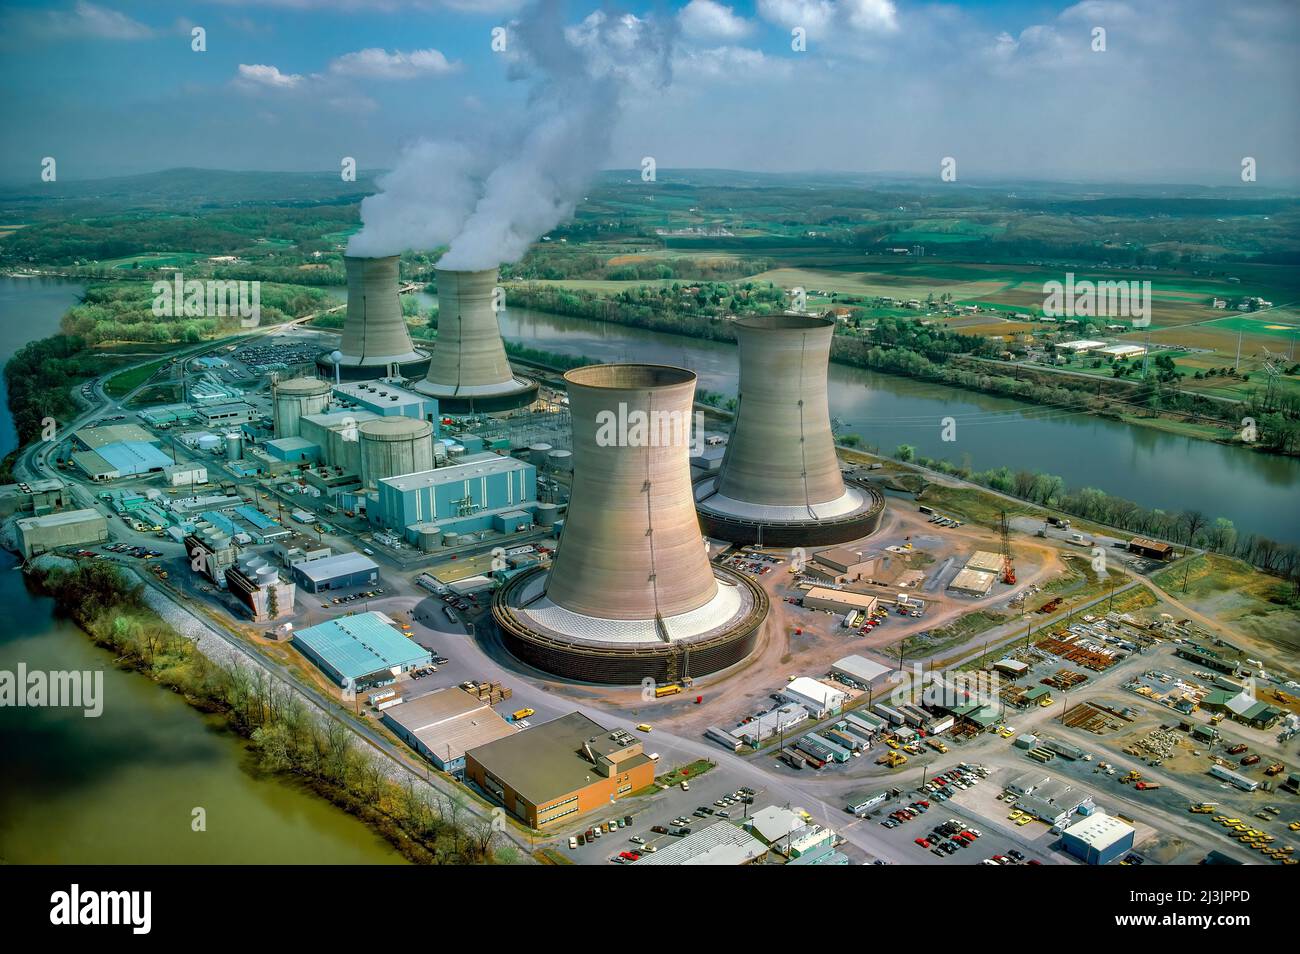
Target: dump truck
(892, 759)
(1204, 808)
(1146, 786)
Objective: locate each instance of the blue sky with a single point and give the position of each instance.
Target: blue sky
(1183, 90)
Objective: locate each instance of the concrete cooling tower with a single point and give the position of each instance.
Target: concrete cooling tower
(780, 482)
(375, 341)
(469, 371)
(631, 593)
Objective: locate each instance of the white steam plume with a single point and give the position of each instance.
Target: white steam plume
(491, 200)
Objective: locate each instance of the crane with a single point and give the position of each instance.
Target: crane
(1008, 565)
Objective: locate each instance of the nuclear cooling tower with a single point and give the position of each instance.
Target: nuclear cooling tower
(780, 482)
(469, 370)
(631, 593)
(375, 341)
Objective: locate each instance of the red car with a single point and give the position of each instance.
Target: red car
(922, 842)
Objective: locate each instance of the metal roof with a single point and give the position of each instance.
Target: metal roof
(133, 457)
(341, 564)
(359, 645)
(472, 468)
(449, 721)
(720, 844)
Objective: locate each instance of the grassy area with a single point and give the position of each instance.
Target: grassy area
(125, 382)
(686, 772)
(972, 505)
(1261, 607)
(954, 634)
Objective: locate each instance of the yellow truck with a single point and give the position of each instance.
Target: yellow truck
(671, 689)
(522, 713)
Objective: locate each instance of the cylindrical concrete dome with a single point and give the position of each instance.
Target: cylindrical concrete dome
(631, 546)
(469, 369)
(781, 452)
(392, 446)
(560, 460)
(293, 399)
(374, 332)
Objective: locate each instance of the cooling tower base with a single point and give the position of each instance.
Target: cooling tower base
(729, 520)
(626, 652)
(519, 393)
(413, 366)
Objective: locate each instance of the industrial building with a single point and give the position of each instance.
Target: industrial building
(780, 481)
(117, 450)
(817, 697)
(843, 565)
(787, 832)
(360, 651)
(720, 844)
(375, 342)
(469, 370)
(559, 769)
(211, 549)
(630, 594)
(37, 535)
(971, 582)
(461, 498)
(186, 475)
(1151, 549)
(227, 415)
(260, 589)
(1098, 839)
(37, 497)
(986, 561)
(293, 400)
(337, 572)
(839, 601)
(443, 724)
(778, 721)
(858, 670)
(386, 399)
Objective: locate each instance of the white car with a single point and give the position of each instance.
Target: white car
(573, 841)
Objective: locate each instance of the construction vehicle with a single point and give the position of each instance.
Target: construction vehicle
(937, 746)
(1204, 808)
(892, 759)
(1133, 776)
(1146, 786)
(1277, 768)
(521, 714)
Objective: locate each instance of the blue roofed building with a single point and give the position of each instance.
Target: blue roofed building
(361, 650)
(465, 497)
(121, 459)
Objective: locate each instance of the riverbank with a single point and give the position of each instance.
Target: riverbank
(1144, 405)
(285, 739)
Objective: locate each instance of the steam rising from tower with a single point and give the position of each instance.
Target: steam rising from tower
(489, 199)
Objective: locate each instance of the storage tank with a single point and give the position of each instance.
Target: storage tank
(451, 539)
(469, 370)
(537, 454)
(391, 446)
(267, 576)
(293, 399)
(209, 442)
(428, 537)
(234, 447)
(560, 461)
(374, 332)
(547, 514)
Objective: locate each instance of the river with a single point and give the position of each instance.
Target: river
(121, 788)
(1150, 467)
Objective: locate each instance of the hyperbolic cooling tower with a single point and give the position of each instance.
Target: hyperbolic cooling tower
(780, 480)
(374, 332)
(631, 593)
(469, 370)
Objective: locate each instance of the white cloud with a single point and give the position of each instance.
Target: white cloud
(82, 19)
(375, 63)
(708, 19)
(260, 76)
(731, 63)
(871, 16)
(812, 15)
